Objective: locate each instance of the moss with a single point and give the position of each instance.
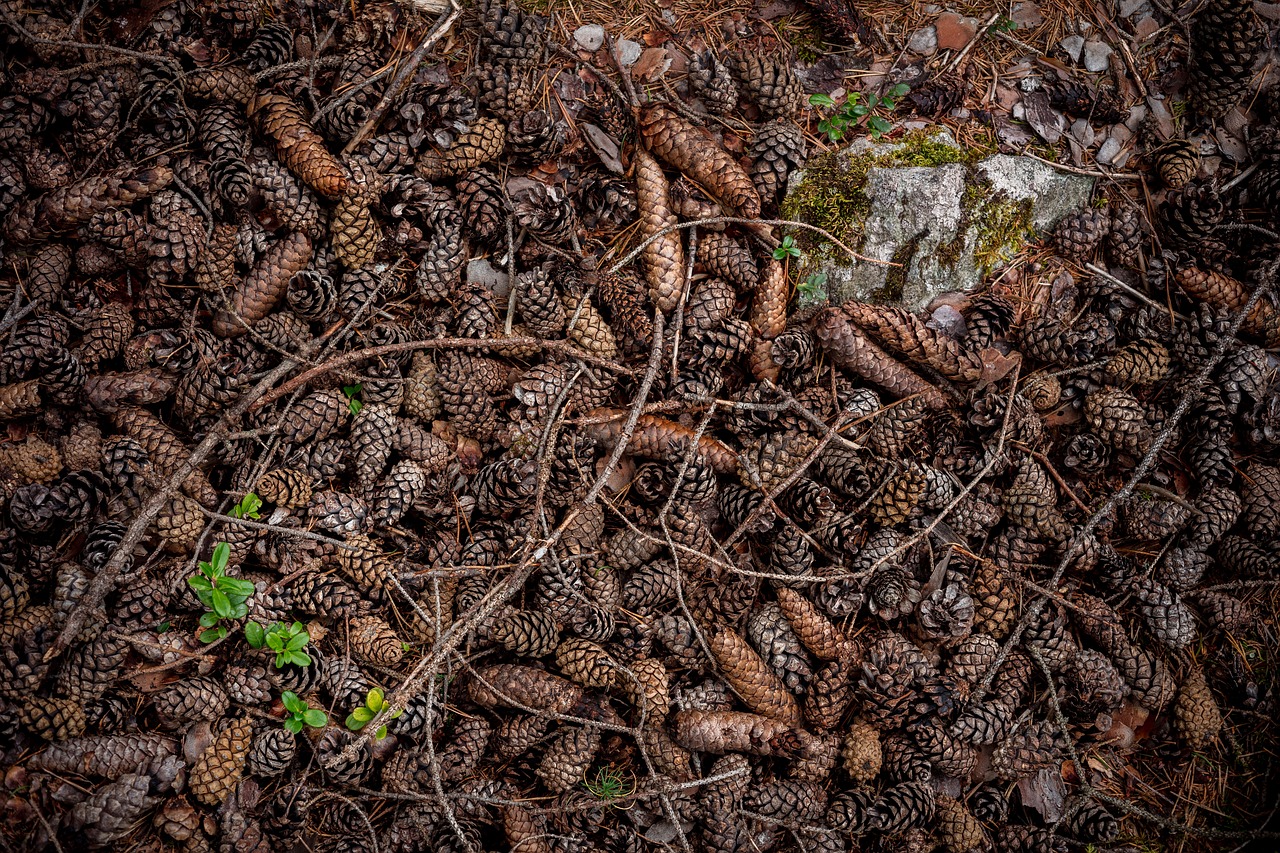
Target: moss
(1003, 225)
(895, 279)
(802, 32)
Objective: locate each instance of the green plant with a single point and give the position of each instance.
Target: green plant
(287, 641)
(300, 713)
(247, 508)
(374, 702)
(609, 783)
(813, 290)
(858, 108)
(224, 596)
(353, 391)
(1003, 25)
(788, 249)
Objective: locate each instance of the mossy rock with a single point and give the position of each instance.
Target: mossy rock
(939, 217)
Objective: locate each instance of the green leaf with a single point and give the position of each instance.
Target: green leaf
(293, 724)
(248, 506)
(375, 700)
(221, 604)
(199, 584)
(163, 627)
(315, 718)
(354, 724)
(364, 715)
(381, 733)
(297, 628)
(221, 555)
(297, 642)
(292, 703)
(239, 610)
(208, 620)
(237, 586)
(899, 90)
(821, 100)
(301, 658)
(879, 125)
(212, 634)
(275, 642)
(355, 406)
(254, 634)
(859, 111)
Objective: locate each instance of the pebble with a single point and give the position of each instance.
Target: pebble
(483, 273)
(955, 31)
(629, 51)
(1082, 132)
(1096, 54)
(924, 41)
(1026, 15)
(589, 37)
(1129, 8)
(1073, 45)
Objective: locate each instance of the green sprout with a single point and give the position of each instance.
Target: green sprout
(225, 597)
(353, 391)
(300, 713)
(788, 249)
(1003, 25)
(858, 108)
(247, 508)
(287, 641)
(813, 290)
(609, 783)
(374, 702)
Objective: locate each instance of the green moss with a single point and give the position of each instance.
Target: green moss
(1003, 225)
(802, 33)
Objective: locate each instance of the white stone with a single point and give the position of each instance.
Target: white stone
(589, 37)
(916, 218)
(924, 41)
(629, 51)
(481, 272)
(1109, 151)
(1073, 45)
(1096, 54)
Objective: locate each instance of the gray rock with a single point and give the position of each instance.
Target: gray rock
(943, 225)
(589, 37)
(924, 41)
(1128, 8)
(629, 51)
(483, 274)
(1073, 45)
(1096, 54)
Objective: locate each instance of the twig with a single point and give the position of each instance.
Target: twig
(734, 220)
(332, 364)
(437, 32)
(1137, 294)
(955, 63)
(1119, 176)
(276, 528)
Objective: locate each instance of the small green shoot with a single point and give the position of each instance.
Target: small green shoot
(1003, 25)
(788, 249)
(353, 391)
(300, 713)
(813, 290)
(287, 641)
(224, 596)
(247, 508)
(858, 109)
(374, 702)
(609, 783)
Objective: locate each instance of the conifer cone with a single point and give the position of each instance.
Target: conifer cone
(694, 152)
(1190, 216)
(854, 351)
(264, 287)
(988, 319)
(770, 82)
(713, 83)
(483, 203)
(1196, 713)
(53, 719)
(1125, 240)
(762, 691)
(505, 89)
(373, 641)
(354, 232)
(994, 599)
(1225, 38)
(567, 759)
(664, 257)
(299, 147)
(958, 830)
(511, 34)
(1119, 420)
(725, 257)
(776, 152)
(1176, 162)
(271, 753)
(481, 144)
(1035, 746)
(1079, 233)
(861, 752)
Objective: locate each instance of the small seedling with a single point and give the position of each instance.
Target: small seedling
(1003, 25)
(352, 392)
(813, 290)
(247, 508)
(224, 596)
(287, 641)
(858, 108)
(609, 783)
(374, 702)
(300, 713)
(788, 249)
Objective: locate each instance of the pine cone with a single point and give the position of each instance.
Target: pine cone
(1177, 162)
(712, 83)
(1119, 420)
(1225, 39)
(770, 82)
(567, 759)
(1196, 713)
(776, 152)
(271, 753)
(1078, 235)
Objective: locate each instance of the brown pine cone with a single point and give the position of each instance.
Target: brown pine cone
(298, 146)
(712, 83)
(695, 153)
(1143, 362)
(958, 830)
(217, 771)
(1034, 747)
(1078, 235)
(265, 286)
(1177, 162)
(861, 752)
(567, 759)
(762, 691)
(1119, 420)
(1196, 713)
(53, 719)
(481, 144)
(777, 151)
(770, 82)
